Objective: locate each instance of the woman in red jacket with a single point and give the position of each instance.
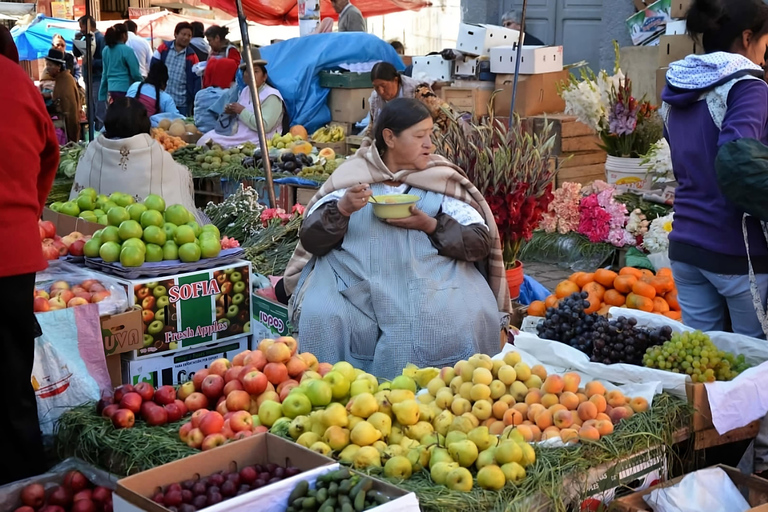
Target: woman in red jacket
(29, 163)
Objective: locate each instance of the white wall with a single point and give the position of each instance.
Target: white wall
(429, 30)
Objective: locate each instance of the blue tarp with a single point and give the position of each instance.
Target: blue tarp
(295, 64)
(33, 41)
(531, 290)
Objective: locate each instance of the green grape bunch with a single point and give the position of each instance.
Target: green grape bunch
(694, 354)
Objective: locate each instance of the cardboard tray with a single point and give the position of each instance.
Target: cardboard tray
(756, 487)
(164, 268)
(262, 449)
(66, 224)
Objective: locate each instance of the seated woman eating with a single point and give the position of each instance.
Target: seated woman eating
(151, 93)
(241, 112)
(125, 158)
(429, 289)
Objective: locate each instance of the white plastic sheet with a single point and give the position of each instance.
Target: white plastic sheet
(709, 489)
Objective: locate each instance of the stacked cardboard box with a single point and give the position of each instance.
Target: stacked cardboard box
(576, 152)
(676, 44)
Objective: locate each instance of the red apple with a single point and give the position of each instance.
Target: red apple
(241, 420)
(255, 382)
(257, 359)
(147, 316)
(75, 480)
(220, 367)
(213, 386)
(146, 407)
(286, 390)
(148, 303)
(260, 429)
(184, 431)
(99, 296)
(83, 505)
(173, 412)
(146, 390)
(233, 385)
(142, 292)
(84, 295)
(88, 284)
(56, 303)
(198, 377)
(121, 391)
(195, 438)
(65, 295)
(41, 305)
(182, 407)
(238, 400)
(76, 301)
(197, 417)
(242, 435)
(221, 407)
(60, 496)
(213, 441)
(131, 401)
(102, 495)
(110, 410)
(232, 373)
(49, 228)
(196, 401)
(276, 372)
(76, 247)
(123, 418)
(165, 395)
(85, 494)
(61, 247)
(156, 416)
(33, 495)
(239, 359)
(50, 252)
(212, 423)
(227, 430)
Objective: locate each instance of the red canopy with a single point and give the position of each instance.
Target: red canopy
(285, 12)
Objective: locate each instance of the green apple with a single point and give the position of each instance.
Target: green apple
(170, 230)
(91, 248)
(236, 277)
(90, 192)
(184, 235)
(70, 208)
(210, 247)
(339, 384)
(108, 206)
(148, 340)
(152, 218)
(189, 253)
(103, 220)
(110, 234)
(154, 235)
(177, 214)
(122, 199)
(155, 327)
(154, 253)
(296, 405)
(159, 291)
(162, 302)
(130, 229)
(98, 213)
(361, 386)
(239, 287)
(232, 311)
(404, 382)
(269, 412)
(346, 369)
(110, 252)
(151, 285)
(224, 321)
(131, 256)
(100, 200)
(195, 227)
(170, 250)
(211, 228)
(319, 392)
(55, 206)
(160, 315)
(247, 327)
(154, 202)
(89, 216)
(137, 243)
(97, 234)
(116, 215)
(85, 202)
(135, 211)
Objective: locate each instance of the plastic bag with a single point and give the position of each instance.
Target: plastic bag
(572, 251)
(531, 290)
(116, 300)
(10, 493)
(660, 260)
(70, 366)
(709, 489)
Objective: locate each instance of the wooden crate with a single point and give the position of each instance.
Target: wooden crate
(756, 492)
(705, 435)
(468, 99)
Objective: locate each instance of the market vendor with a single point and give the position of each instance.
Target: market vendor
(151, 92)
(125, 158)
(65, 96)
(241, 127)
(218, 79)
(389, 84)
(429, 289)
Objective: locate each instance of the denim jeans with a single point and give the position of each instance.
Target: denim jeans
(100, 107)
(704, 295)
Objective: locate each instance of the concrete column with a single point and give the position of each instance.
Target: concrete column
(614, 28)
(481, 11)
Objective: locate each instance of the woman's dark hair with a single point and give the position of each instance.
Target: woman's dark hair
(131, 26)
(157, 76)
(215, 30)
(384, 71)
(182, 26)
(114, 35)
(125, 118)
(198, 29)
(722, 22)
(398, 46)
(398, 115)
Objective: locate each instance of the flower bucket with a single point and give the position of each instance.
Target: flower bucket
(515, 277)
(627, 172)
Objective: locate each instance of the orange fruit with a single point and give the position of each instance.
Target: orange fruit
(594, 304)
(671, 299)
(635, 301)
(674, 315)
(664, 272)
(566, 289)
(663, 285)
(537, 308)
(584, 279)
(614, 298)
(660, 305)
(595, 289)
(647, 273)
(605, 277)
(630, 271)
(644, 289)
(551, 301)
(624, 284)
(576, 276)
(604, 309)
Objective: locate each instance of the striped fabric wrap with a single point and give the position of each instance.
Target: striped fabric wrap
(441, 176)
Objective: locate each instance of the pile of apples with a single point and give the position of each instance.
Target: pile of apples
(55, 246)
(60, 295)
(75, 494)
(233, 400)
(155, 407)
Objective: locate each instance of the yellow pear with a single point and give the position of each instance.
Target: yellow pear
(381, 446)
(529, 455)
(464, 452)
(363, 405)
(307, 439)
(437, 454)
(409, 443)
(335, 415)
(364, 434)
(398, 467)
(462, 424)
(321, 448)
(419, 431)
(319, 428)
(382, 398)
(347, 455)
(513, 472)
(336, 437)
(394, 450)
(507, 452)
(444, 398)
(419, 457)
(443, 421)
(486, 458)
(425, 413)
(406, 412)
(425, 398)
(439, 472)
(382, 423)
(482, 438)
(396, 434)
(435, 385)
(491, 477)
(401, 395)
(366, 457)
(299, 425)
(353, 421)
(455, 436)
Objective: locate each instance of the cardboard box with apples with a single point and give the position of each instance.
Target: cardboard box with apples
(270, 319)
(179, 367)
(192, 309)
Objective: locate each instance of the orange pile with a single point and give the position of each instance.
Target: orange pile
(169, 142)
(631, 288)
